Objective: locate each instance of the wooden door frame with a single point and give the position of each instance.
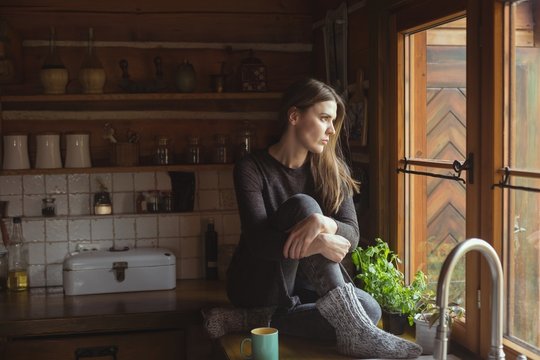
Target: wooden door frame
(414, 16)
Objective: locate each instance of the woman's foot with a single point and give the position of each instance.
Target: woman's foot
(223, 320)
(356, 335)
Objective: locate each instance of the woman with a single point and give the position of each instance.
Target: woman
(298, 223)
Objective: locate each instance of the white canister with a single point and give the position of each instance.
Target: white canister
(78, 150)
(16, 152)
(48, 151)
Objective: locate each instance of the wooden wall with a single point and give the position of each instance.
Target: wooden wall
(205, 32)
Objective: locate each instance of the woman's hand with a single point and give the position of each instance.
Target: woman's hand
(331, 246)
(302, 235)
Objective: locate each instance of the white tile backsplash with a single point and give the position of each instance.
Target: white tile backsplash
(36, 274)
(54, 275)
(191, 247)
(122, 182)
(36, 253)
(79, 204)
(163, 181)
(10, 185)
(78, 183)
(56, 230)
(146, 243)
(172, 244)
(207, 180)
(169, 226)
(33, 230)
(55, 252)
(190, 225)
(61, 204)
(79, 229)
(144, 181)
(102, 228)
(231, 224)
(124, 227)
(49, 240)
(32, 205)
(34, 184)
(226, 179)
(208, 200)
(123, 203)
(56, 184)
(146, 227)
(105, 178)
(15, 206)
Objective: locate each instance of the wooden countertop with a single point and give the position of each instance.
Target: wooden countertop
(47, 311)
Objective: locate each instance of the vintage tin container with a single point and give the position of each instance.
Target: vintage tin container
(111, 271)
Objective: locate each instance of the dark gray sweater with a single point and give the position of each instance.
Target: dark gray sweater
(262, 184)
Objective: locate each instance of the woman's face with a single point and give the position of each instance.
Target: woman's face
(314, 126)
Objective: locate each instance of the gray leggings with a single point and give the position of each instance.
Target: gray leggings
(310, 278)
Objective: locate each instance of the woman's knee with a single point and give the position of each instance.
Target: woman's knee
(293, 210)
(303, 203)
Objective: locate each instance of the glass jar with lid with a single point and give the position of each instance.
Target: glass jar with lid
(222, 153)
(194, 150)
(163, 151)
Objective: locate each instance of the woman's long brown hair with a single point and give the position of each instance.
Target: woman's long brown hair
(332, 176)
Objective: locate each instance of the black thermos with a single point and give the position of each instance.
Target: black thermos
(211, 251)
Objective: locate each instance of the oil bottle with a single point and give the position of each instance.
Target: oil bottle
(17, 259)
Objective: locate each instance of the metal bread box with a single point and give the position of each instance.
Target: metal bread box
(111, 271)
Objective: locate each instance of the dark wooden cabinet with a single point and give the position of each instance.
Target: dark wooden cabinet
(163, 345)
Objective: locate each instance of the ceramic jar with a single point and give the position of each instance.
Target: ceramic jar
(185, 77)
(78, 150)
(16, 152)
(48, 151)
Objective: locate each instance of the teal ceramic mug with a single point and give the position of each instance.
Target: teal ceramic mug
(264, 344)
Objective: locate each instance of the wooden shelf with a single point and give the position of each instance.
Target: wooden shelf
(140, 97)
(114, 169)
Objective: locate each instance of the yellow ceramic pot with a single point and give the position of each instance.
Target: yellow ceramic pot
(92, 80)
(54, 80)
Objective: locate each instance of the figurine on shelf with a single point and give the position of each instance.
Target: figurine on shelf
(252, 74)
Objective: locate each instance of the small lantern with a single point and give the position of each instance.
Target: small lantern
(252, 74)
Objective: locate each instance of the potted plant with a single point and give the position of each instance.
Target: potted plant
(378, 274)
(427, 319)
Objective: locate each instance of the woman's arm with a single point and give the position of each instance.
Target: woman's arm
(343, 225)
(263, 240)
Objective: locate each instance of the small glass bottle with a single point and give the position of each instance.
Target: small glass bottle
(163, 153)
(48, 207)
(221, 151)
(17, 259)
(246, 140)
(194, 150)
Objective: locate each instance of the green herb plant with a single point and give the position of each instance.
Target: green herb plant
(377, 270)
(428, 310)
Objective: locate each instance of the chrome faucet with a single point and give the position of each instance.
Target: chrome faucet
(443, 287)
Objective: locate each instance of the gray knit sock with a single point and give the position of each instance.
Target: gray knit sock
(356, 334)
(223, 320)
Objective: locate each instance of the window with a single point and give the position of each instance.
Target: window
(521, 208)
(435, 133)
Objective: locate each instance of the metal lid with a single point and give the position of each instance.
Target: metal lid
(104, 259)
